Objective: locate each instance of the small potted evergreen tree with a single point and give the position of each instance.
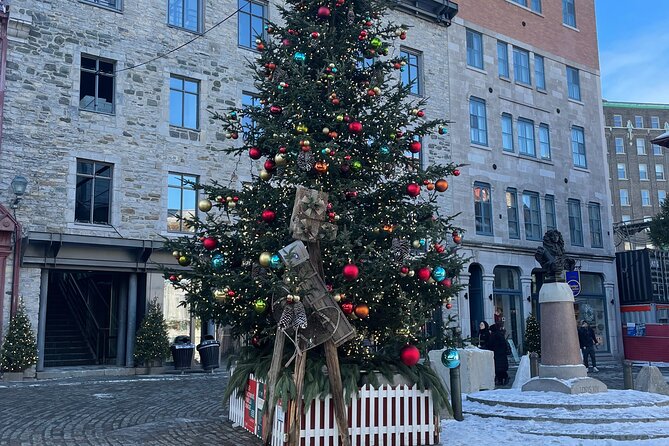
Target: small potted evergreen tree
(152, 345)
(532, 335)
(19, 349)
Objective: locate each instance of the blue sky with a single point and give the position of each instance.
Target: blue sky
(634, 49)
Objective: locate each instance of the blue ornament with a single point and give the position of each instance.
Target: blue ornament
(384, 150)
(450, 358)
(217, 262)
(439, 274)
(422, 242)
(275, 262)
(300, 57)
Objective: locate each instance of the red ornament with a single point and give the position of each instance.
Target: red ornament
(409, 355)
(413, 190)
(404, 270)
(449, 306)
(457, 238)
(355, 127)
(446, 282)
(403, 36)
(269, 165)
(415, 146)
(423, 274)
(174, 278)
(315, 35)
(420, 113)
(285, 42)
(282, 150)
(268, 215)
(260, 47)
(323, 12)
(347, 307)
(350, 272)
(255, 341)
(255, 153)
(275, 110)
(209, 243)
(456, 172)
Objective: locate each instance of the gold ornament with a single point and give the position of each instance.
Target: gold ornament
(231, 204)
(265, 175)
(280, 159)
(264, 259)
(416, 244)
(184, 261)
(204, 205)
(219, 295)
(325, 130)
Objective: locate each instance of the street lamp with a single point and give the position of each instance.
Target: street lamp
(19, 184)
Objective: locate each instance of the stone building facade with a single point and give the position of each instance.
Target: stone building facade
(106, 124)
(638, 168)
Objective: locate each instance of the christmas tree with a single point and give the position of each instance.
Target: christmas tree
(19, 349)
(152, 343)
(332, 115)
(532, 335)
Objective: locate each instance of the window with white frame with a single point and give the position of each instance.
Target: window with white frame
(575, 222)
(96, 84)
(521, 66)
(622, 171)
(474, 49)
(503, 59)
(659, 172)
(638, 122)
(539, 72)
(411, 72)
(620, 146)
(507, 132)
(654, 122)
(640, 146)
(526, 137)
(250, 22)
(645, 197)
(545, 141)
(617, 121)
(185, 14)
(482, 209)
(578, 147)
(551, 221)
(595, 218)
(478, 127)
(573, 83)
(643, 172)
(569, 13)
(184, 102)
(624, 197)
(532, 215)
(657, 150)
(512, 212)
(181, 201)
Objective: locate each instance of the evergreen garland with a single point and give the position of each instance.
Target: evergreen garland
(532, 335)
(19, 350)
(152, 342)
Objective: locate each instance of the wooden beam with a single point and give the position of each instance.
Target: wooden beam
(297, 404)
(272, 377)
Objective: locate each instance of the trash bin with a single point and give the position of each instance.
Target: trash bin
(209, 352)
(182, 352)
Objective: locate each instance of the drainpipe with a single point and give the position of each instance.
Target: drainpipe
(18, 231)
(4, 20)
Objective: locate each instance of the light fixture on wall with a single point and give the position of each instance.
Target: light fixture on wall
(612, 302)
(529, 298)
(490, 296)
(466, 296)
(19, 185)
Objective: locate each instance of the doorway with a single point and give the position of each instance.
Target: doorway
(476, 314)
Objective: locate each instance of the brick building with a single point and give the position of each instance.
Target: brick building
(107, 129)
(637, 167)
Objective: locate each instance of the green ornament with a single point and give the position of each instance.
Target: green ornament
(184, 261)
(356, 165)
(260, 306)
(376, 42)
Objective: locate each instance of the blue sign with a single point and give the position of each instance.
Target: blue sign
(573, 279)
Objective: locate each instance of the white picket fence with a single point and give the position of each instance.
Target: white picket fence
(387, 416)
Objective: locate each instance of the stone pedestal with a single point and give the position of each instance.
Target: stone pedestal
(477, 369)
(561, 368)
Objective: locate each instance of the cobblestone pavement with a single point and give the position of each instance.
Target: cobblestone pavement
(177, 410)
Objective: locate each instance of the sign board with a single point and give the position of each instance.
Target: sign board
(250, 406)
(573, 279)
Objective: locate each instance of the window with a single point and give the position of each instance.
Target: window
(545, 141)
(645, 197)
(654, 122)
(549, 202)
(96, 87)
(640, 146)
(503, 59)
(622, 171)
(657, 150)
(575, 222)
(526, 137)
(617, 121)
(93, 193)
(411, 72)
(248, 100)
(113, 4)
(535, 4)
(482, 209)
(185, 14)
(478, 129)
(626, 218)
(638, 122)
(507, 132)
(578, 147)
(539, 72)
(181, 201)
(568, 13)
(659, 172)
(521, 66)
(532, 215)
(620, 146)
(512, 212)
(474, 49)
(184, 102)
(573, 84)
(624, 197)
(595, 217)
(250, 22)
(643, 171)
(661, 196)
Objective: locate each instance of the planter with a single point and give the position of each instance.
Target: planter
(12, 376)
(392, 415)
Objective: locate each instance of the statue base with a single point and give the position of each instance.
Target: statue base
(570, 386)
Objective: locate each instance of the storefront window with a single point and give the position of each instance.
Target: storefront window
(507, 300)
(179, 321)
(590, 306)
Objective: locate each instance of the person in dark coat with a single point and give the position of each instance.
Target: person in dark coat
(484, 335)
(587, 340)
(497, 344)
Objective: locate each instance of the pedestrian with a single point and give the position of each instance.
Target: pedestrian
(484, 335)
(587, 340)
(497, 344)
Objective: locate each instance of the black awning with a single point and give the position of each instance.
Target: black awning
(662, 140)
